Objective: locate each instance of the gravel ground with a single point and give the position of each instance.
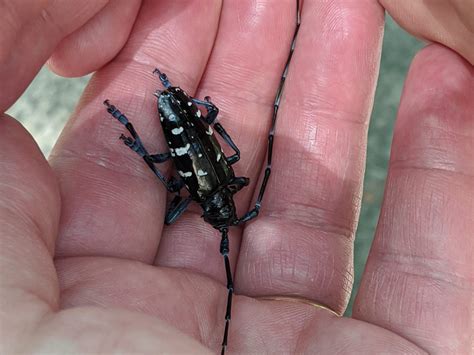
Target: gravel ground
(47, 103)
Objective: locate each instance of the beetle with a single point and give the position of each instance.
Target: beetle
(202, 167)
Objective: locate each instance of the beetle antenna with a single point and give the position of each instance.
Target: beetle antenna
(224, 250)
(276, 105)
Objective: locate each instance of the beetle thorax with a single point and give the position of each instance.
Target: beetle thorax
(219, 209)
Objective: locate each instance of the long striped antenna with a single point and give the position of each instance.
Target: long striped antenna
(224, 247)
(276, 105)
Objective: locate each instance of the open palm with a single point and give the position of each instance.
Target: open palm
(88, 266)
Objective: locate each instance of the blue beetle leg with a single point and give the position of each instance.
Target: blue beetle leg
(133, 143)
(238, 183)
(114, 111)
(151, 160)
(212, 110)
(160, 157)
(206, 103)
(176, 209)
(136, 145)
(247, 217)
(210, 118)
(172, 185)
(175, 185)
(254, 212)
(222, 132)
(163, 78)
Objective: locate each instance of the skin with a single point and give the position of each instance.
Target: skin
(86, 265)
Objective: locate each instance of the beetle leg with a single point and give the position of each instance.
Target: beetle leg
(175, 185)
(160, 157)
(222, 132)
(210, 118)
(163, 78)
(237, 183)
(176, 209)
(136, 145)
(212, 110)
(114, 111)
(254, 212)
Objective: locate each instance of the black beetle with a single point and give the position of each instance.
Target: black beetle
(202, 166)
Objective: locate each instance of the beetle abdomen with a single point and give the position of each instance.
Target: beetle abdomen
(197, 154)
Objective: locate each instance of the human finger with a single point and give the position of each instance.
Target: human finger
(113, 205)
(29, 216)
(448, 22)
(302, 242)
(29, 32)
(242, 77)
(418, 278)
(97, 42)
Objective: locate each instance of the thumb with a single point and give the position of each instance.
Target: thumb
(30, 30)
(30, 318)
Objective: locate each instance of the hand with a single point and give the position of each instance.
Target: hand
(450, 22)
(86, 265)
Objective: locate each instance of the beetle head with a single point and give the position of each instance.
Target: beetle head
(219, 209)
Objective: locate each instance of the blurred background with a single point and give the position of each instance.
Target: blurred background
(48, 102)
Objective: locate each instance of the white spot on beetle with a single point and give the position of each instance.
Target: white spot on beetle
(218, 157)
(169, 142)
(200, 155)
(209, 131)
(185, 174)
(161, 118)
(201, 173)
(172, 117)
(183, 150)
(177, 131)
(190, 103)
(198, 113)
